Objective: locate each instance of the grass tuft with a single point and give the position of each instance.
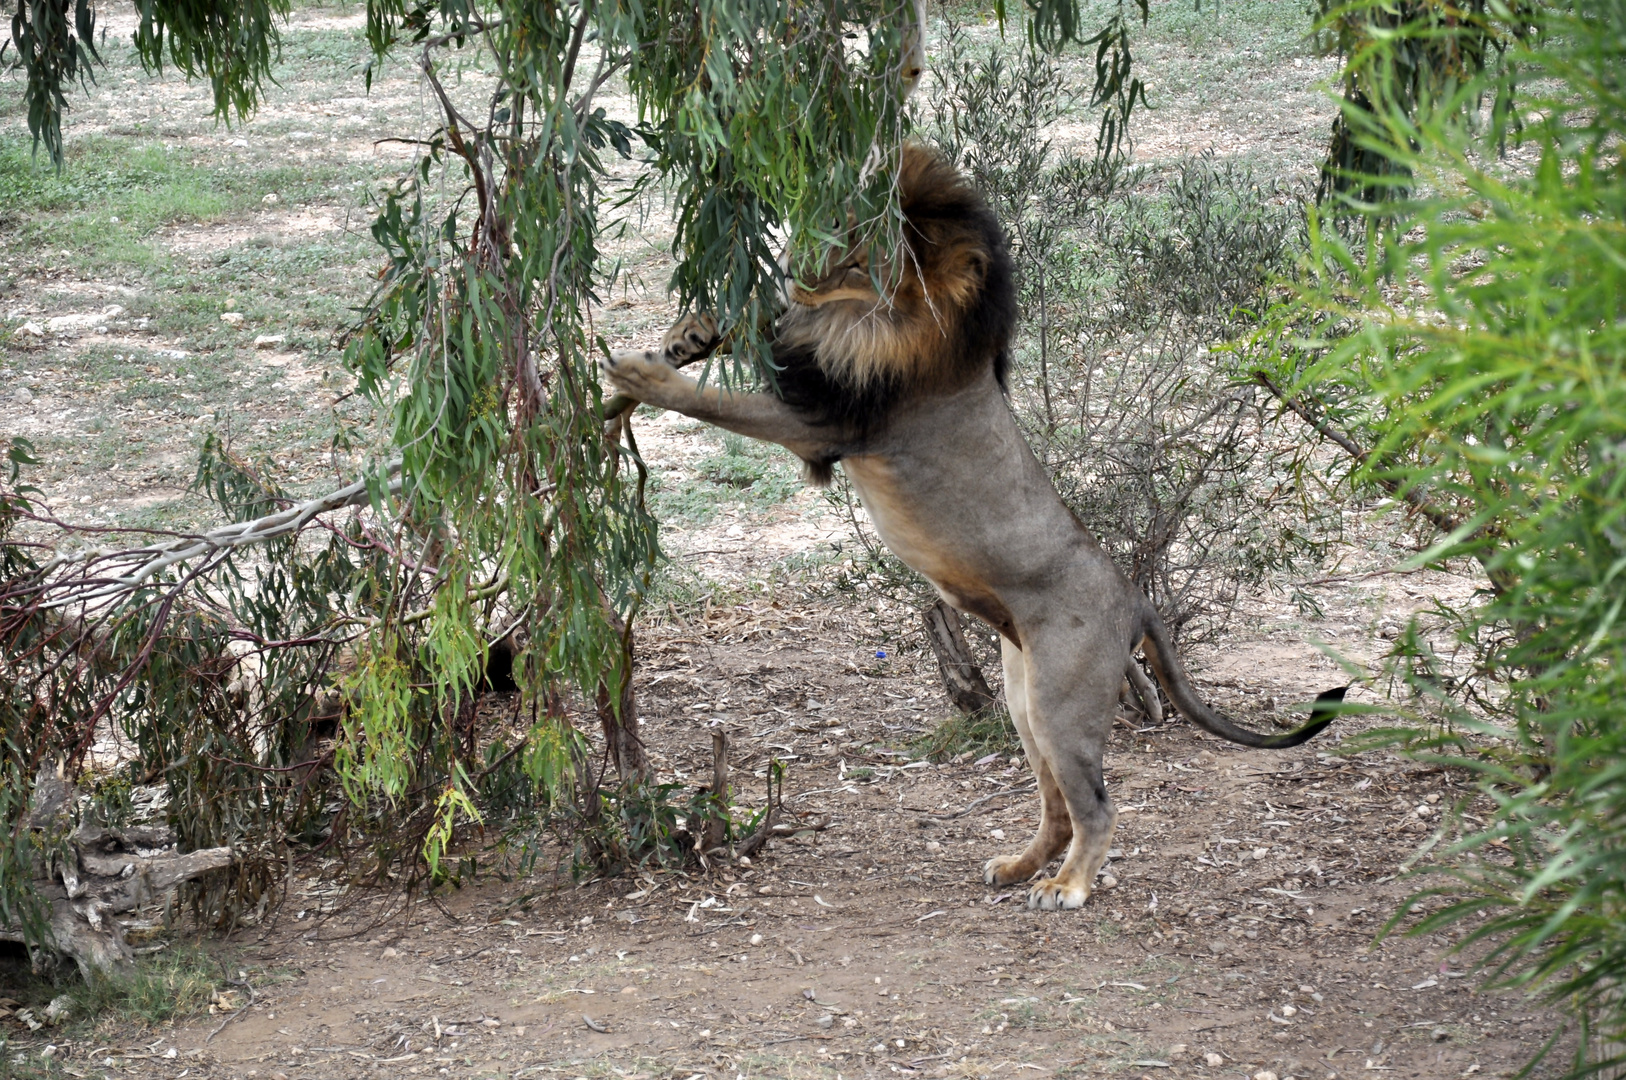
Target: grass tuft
(987, 731)
(180, 981)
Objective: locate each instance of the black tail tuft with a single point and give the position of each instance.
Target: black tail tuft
(1323, 711)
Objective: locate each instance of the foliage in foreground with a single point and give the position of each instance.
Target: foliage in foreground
(1473, 359)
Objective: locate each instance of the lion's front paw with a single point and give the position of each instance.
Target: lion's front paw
(1055, 894)
(1004, 869)
(691, 339)
(639, 374)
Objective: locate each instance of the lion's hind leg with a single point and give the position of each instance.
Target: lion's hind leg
(1055, 826)
(1070, 709)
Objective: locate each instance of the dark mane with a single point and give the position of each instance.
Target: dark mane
(951, 316)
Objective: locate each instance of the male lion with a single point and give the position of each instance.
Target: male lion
(907, 392)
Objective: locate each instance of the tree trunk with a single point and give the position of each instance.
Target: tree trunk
(961, 677)
(621, 724)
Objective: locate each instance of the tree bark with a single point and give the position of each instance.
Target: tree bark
(715, 833)
(962, 678)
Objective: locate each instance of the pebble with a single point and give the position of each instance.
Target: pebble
(24, 395)
(825, 1021)
(1213, 1060)
(232, 318)
(933, 847)
(269, 341)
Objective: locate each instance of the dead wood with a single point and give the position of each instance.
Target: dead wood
(715, 833)
(86, 874)
(962, 678)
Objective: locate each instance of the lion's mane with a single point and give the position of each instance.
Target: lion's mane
(950, 315)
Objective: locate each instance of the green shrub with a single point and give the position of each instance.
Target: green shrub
(1470, 353)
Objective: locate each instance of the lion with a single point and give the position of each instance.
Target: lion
(906, 391)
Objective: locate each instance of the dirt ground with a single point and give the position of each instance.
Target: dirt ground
(1237, 940)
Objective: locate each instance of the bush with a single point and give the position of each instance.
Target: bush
(1472, 357)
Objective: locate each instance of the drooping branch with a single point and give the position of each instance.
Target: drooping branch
(1414, 497)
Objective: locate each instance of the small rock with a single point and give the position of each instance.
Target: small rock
(1107, 881)
(1264, 1074)
(33, 329)
(756, 939)
(239, 143)
(59, 1009)
(933, 848)
(23, 395)
(1260, 853)
(1213, 1060)
(232, 318)
(1015, 761)
(825, 1021)
(390, 954)
(271, 199)
(1440, 1034)
(997, 834)
(269, 341)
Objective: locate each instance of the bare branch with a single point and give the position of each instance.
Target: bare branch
(213, 543)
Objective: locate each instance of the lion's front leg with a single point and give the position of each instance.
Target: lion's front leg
(649, 376)
(644, 375)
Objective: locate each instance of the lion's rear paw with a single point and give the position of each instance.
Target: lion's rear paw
(1054, 894)
(692, 338)
(1004, 869)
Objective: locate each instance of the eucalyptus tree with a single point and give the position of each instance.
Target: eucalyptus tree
(505, 507)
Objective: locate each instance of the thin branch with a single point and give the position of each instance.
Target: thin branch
(215, 542)
(1414, 497)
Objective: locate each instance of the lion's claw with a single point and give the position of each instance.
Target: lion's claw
(691, 339)
(1004, 869)
(1053, 894)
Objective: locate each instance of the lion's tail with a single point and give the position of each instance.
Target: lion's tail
(1171, 675)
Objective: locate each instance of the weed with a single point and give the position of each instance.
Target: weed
(986, 732)
(178, 981)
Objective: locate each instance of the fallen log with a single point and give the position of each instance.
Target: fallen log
(94, 873)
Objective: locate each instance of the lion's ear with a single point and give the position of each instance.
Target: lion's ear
(976, 264)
